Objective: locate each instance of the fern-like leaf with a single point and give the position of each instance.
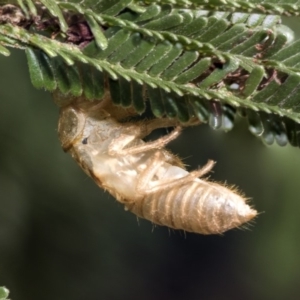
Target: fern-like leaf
(288, 7)
(185, 62)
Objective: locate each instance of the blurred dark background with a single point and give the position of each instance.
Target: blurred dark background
(61, 237)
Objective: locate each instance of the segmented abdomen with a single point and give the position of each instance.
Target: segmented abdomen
(199, 206)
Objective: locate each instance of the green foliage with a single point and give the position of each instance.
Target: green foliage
(289, 7)
(4, 292)
(183, 60)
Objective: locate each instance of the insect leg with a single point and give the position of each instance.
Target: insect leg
(145, 177)
(117, 145)
(153, 166)
(171, 183)
(150, 125)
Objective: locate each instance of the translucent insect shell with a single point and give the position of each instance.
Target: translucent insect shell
(150, 181)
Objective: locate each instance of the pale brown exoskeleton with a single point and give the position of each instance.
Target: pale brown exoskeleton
(150, 181)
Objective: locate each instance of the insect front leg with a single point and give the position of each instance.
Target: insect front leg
(116, 148)
(139, 131)
(150, 125)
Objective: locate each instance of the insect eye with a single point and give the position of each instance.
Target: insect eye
(85, 141)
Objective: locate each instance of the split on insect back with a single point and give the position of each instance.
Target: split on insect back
(150, 181)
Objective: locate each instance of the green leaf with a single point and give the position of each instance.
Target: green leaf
(4, 292)
(40, 72)
(4, 51)
(184, 62)
(288, 7)
(56, 12)
(97, 32)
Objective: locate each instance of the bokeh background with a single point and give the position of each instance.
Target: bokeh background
(61, 237)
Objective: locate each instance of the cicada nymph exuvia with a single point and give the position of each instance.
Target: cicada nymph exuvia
(149, 180)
